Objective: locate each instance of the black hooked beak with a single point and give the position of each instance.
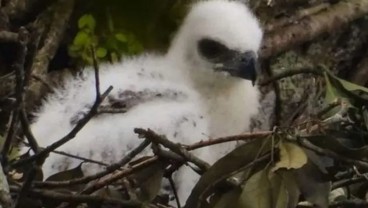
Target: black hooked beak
(243, 65)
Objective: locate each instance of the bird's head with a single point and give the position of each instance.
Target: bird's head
(219, 37)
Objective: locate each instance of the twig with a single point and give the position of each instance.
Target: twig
(177, 148)
(172, 184)
(118, 175)
(37, 193)
(6, 36)
(19, 88)
(289, 74)
(349, 203)
(26, 185)
(75, 157)
(27, 131)
(105, 109)
(347, 182)
(89, 178)
(305, 143)
(194, 146)
(97, 73)
(242, 137)
(81, 123)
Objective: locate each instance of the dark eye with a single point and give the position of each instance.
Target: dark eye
(211, 49)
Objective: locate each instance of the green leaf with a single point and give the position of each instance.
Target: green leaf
(365, 117)
(232, 163)
(264, 190)
(339, 88)
(256, 193)
(101, 52)
(340, 145)
(349, 85)
(82, 39)
(229, 199)
(293, 192)
(121, 37)
(332, 93)
(87, 21)
(67, 175)
(149, 181)
(312, 184)
(291, 156)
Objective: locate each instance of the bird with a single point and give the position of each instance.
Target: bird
(203, 87)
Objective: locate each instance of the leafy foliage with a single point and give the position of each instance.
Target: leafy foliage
(110, 45)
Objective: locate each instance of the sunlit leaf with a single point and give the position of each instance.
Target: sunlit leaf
(82, 39)
(121, 37)
(291, 156)
(101, 52)
(256, 193)
(87, 21)
(264, 190)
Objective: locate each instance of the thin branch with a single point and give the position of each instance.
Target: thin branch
(97, 73)
(289, 74)
(19, 88)
(173, 187)
(349, 203)
(108, 170)
(26, 185)
(305, 143)
(62, 197)
(6, 36)
(347, 182)
(241, 137)
(177, 148)
(75, 157)
(118, 175)
(27, 132)
(43, 154)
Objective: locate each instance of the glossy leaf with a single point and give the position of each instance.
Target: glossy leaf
(291, 156)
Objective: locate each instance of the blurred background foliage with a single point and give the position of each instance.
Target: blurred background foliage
(123, 27)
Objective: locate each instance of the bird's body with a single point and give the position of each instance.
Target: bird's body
(181, 94)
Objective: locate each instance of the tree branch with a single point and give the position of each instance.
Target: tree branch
(312, 26)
